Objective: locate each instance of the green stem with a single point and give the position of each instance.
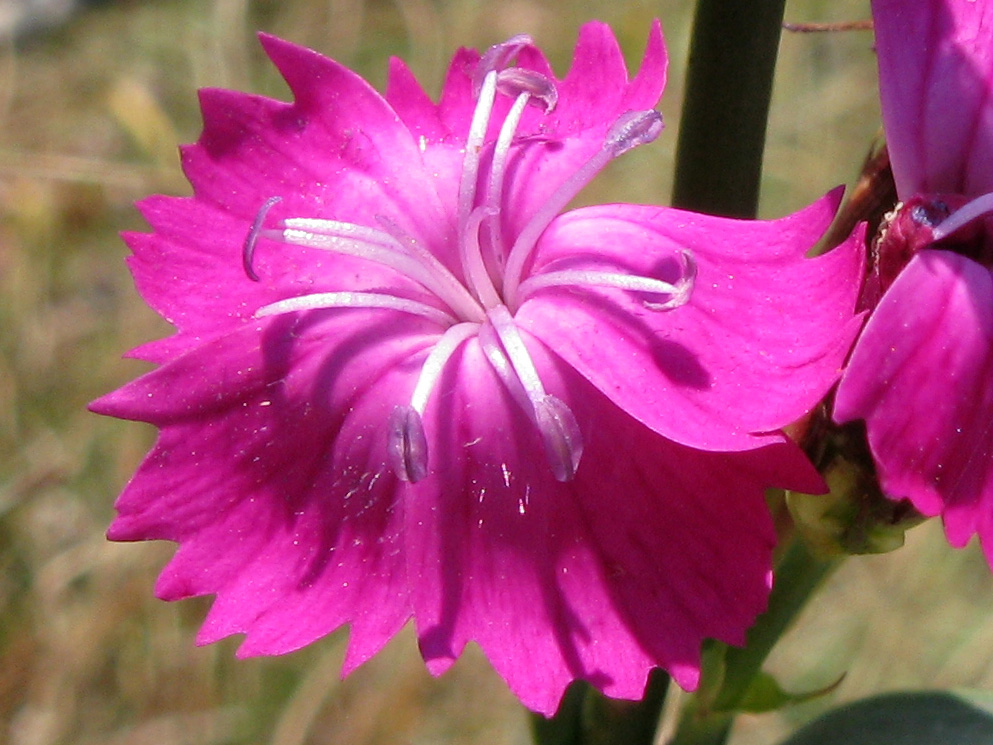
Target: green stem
(698, 729)
(587, 717)
(798, 574)
(728, 87)
(564, 727)
(707, 719)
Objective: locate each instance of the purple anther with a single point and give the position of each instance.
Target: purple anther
(407, 446)
(560, 433)
(683, 286)
(248, 250)
(632, 129)
(497, 57)
(516, 80)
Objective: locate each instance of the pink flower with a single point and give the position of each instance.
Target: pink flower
(921, 375)
(442, 400)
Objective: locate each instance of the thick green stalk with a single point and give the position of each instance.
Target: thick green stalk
(708, 718)
(587, 717)
(798, 575)
(728, 86)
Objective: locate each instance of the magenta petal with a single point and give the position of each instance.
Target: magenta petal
(920, 377)
(762, 339)
(271, 473)
(457, 100)
(414, 107)
(339, 144)
(935, 73)
(442, 150)
(597, 89)
(651, 548)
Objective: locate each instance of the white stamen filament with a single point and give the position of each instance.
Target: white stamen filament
(490, 344)
(323, 300)
(410, 245)
(528, 237)
(978, 207)
(630, 130)
(436, 360)
(338, 229)
(473, 146)
(517, 352)
(555, 421)
(679, 293)
(407, 444)
(379, 253)
(476, 273)
(407, 257)
(498, 169)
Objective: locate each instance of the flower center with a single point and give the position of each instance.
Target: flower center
(478, 299)
(949, 222)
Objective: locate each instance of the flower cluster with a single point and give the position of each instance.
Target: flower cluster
(920, 375)
(406, 385)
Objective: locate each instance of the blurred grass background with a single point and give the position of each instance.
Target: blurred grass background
(90, 116)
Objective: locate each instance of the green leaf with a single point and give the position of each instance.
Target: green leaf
(765, 694)
(918, 718)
